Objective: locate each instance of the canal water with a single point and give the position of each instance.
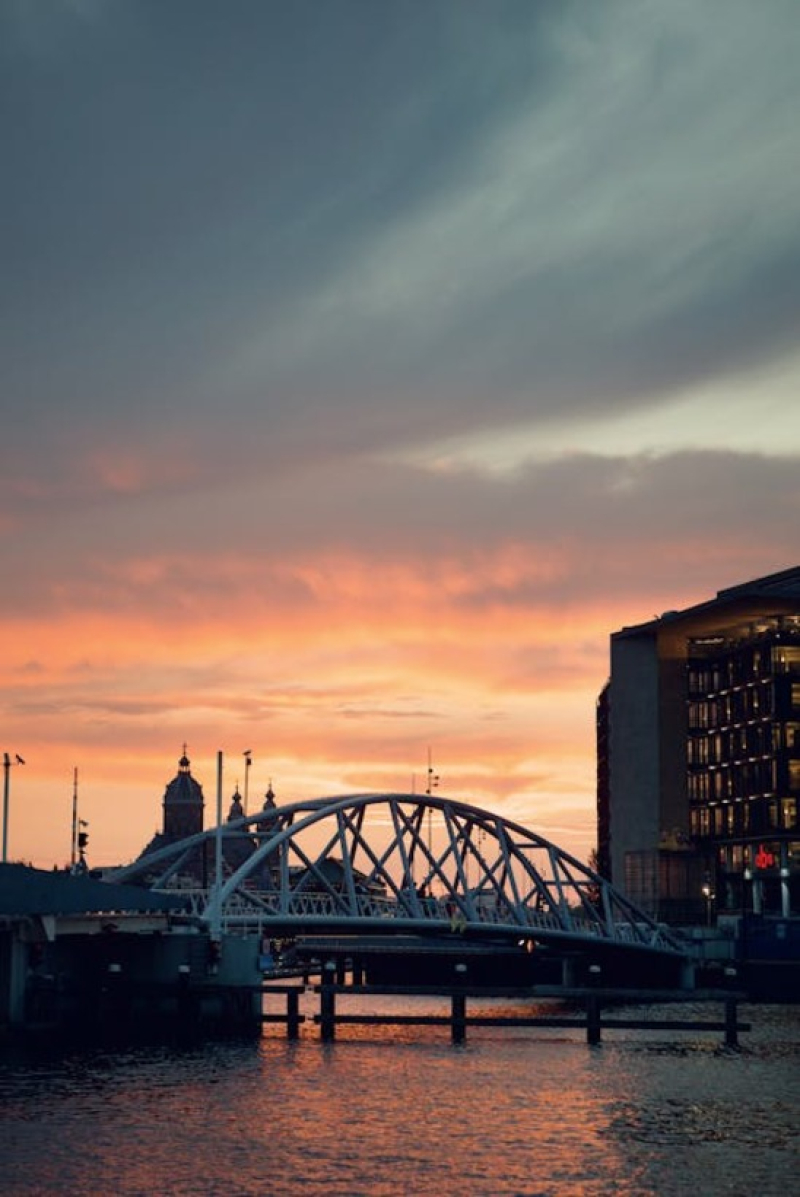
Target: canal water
(401, 1111)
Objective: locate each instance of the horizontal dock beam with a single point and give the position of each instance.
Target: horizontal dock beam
(592, 1018)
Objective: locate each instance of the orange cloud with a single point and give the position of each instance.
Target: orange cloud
(344, 689)
(337, 672)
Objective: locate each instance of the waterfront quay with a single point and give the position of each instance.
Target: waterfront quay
(88, 958)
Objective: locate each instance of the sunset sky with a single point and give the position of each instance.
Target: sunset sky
(365, 365)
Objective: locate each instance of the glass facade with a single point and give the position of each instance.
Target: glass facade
(743, 763)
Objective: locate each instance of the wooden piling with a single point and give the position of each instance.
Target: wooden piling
(593, 1033)
(731, 1022)
(458, 1021)
(293, 1014)
(327, 1002)
(594, 1017)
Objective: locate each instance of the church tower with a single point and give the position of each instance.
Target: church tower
(183, 803)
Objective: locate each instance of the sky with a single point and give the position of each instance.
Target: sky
(365, 365)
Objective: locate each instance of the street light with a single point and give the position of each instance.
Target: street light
(708, 894)
(7, 763)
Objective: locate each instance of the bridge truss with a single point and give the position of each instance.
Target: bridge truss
(406, 864)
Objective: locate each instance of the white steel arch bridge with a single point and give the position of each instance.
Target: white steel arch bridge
(403, 864)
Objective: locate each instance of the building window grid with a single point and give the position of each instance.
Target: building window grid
(740, 758)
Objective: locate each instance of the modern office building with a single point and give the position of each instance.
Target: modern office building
(698, 766)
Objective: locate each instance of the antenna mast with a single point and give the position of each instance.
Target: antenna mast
(74, 852)
(433, 782)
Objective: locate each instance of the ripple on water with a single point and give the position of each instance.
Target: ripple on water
(531, 1113)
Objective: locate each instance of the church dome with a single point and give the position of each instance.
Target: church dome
(183, 787)
(183, 803)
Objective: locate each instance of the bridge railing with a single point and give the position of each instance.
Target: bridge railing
(257, 907)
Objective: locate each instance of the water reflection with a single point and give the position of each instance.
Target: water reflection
(387, 1111)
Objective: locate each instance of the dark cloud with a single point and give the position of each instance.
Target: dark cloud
(177, 167)
(282, 232)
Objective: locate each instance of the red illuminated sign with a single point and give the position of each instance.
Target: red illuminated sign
(765, 859)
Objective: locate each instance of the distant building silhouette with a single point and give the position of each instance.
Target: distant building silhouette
(183, 803)
(698, 756)
(183, 816)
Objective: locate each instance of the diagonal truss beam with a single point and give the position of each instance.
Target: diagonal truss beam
(496, 876)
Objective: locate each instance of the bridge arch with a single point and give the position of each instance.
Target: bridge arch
(399, 864)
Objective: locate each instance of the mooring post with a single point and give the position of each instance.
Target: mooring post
(293, 1013)
(327, 1002)
(458, 1013)
(593, 1035)
(731, 1013)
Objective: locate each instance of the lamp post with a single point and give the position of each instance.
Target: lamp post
(7, 763)
(708, 894)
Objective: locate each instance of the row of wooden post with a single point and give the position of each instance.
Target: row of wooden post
(458, 1020)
